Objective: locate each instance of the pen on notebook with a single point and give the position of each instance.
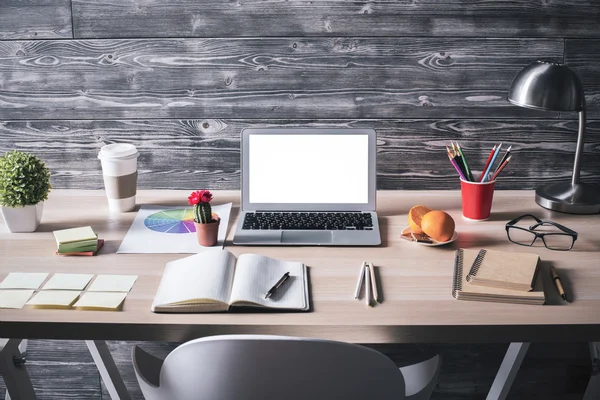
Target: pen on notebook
(361, 278)
(367, 286)
(558, 283)
(276, 286)
(487, 163)
(489, 168)
(464, 160)
(500, 168)
(374, 283)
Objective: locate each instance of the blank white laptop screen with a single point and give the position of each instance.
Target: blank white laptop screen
(308, 169)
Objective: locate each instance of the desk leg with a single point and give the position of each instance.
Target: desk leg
(508, 371)
(108, 370)
(12, 369)
(593, 389)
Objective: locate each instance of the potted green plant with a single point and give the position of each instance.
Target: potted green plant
(24, 185)
(205, 221)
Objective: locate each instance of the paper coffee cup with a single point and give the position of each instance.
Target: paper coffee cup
(119, 169)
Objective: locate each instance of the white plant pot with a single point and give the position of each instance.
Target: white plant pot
(23, 219)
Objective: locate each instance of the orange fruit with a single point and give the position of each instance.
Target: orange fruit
(414, 218)
(438, 225)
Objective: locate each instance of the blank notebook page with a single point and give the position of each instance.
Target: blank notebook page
(206, 275)
(256, 274)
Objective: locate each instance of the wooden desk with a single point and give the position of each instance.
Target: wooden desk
(415, 280)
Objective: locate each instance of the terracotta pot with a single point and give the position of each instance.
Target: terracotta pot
(207, 233)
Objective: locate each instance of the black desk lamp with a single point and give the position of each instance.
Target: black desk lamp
(550, 86)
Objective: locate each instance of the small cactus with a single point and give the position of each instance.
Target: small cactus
(200, 199)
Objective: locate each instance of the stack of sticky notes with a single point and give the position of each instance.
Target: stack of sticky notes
(77, 241)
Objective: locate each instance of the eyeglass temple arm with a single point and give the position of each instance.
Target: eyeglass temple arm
(514, 221)
(559, 226)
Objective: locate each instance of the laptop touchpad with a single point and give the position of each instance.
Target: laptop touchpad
(304, 237)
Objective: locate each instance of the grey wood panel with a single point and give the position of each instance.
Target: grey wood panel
(35, 19)
(214, 18)
(183, 154)
(62, 369)
(270, 78)
(584, 57)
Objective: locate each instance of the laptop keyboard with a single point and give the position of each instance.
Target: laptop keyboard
(308, 221)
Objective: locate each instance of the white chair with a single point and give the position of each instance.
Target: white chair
(254, 367)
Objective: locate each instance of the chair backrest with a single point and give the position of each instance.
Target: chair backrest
(248, 367)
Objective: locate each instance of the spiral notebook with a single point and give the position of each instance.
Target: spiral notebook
(464, 290)
(503, 269)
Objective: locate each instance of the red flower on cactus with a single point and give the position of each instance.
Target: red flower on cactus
(205, 196)
(200, 196)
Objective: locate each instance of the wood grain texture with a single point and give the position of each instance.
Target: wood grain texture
(35, 19)
(184, 154)
(417, 304)
(270, 77)
(584, 57)
(62, 369)
(214, 18)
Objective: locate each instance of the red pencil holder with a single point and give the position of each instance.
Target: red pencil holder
(477, 199)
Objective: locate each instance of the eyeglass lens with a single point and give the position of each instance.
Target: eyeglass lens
(558, 241)
(521, 236)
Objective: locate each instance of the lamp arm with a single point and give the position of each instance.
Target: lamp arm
(580, 143)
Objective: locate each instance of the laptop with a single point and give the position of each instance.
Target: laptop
(308, 186)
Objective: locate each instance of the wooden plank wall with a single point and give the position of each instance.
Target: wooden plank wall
(180, 79)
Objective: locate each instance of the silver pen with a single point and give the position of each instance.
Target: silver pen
(361, 277)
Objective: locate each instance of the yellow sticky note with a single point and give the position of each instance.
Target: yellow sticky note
(100, 301)
(54, 299)
(68, 282)
(112, 283)
(74, 235)
(23, 280)
(14, 298)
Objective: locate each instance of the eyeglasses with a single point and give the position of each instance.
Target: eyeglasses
(552, 240)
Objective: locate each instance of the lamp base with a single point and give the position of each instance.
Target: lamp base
(569, 198)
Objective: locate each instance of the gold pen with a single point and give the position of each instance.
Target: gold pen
(374, 283)
(558, 283)
(367, 286)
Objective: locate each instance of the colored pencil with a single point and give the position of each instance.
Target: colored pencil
(487, 171)
(464, 160)
(458, 159)
(500, 168)
(506, 155)
(449, 152)
(457, 168)
(487, 163)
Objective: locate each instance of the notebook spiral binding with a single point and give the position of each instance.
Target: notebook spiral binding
(476, 264)
(458, 262)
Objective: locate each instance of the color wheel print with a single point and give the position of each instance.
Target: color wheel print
(172, 221)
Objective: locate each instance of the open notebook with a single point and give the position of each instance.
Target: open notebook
(214, 281)
(463, 290)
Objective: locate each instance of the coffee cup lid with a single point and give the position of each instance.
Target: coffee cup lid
(118, 150)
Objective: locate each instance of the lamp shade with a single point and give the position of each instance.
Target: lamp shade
(547, 85)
